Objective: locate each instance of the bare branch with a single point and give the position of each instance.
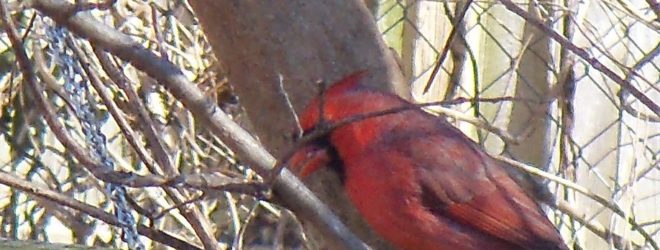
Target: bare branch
(582, 53)
(291, 191)
(58, 198)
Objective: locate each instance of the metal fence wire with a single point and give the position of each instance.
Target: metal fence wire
(564, 112)
(567, 86)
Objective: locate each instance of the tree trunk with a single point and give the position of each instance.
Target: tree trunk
(303, 41)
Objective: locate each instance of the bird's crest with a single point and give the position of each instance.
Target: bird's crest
(347, 83)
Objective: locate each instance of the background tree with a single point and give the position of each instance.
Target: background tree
(564, 86)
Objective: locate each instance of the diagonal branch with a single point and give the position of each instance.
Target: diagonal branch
(290, 190)
(58, 198)
(582, 53)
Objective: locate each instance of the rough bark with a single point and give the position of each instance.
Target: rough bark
(303, 41)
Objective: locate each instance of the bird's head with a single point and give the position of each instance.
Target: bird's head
(318, 153)
(331, 120)
(336, 101)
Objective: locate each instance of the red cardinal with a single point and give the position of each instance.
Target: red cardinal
(418, 181)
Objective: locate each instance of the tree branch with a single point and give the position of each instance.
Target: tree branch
(50, 195)
(582, 53)
(292, 192)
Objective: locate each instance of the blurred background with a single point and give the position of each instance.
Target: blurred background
(518, 90)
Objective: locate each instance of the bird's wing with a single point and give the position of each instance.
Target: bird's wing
(460, 181)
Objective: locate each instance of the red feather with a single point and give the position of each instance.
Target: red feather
(418, 181)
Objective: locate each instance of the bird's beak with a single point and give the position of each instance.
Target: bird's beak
(308, 159)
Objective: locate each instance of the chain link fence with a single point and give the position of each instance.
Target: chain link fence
(568, 100)
(564, 113)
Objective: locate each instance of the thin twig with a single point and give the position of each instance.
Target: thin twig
(238, 241)
(198, 222)
(289, 105)
(59, 198)
(582, 53)
(580, 189)
(115, 112)
(177, 206)
(456, 27)
(203, 182)
(597, 228)
(291, 191)
(48, 78)
(623, 93)
(159, 35)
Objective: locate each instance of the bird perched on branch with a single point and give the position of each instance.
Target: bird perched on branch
(418, 181)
